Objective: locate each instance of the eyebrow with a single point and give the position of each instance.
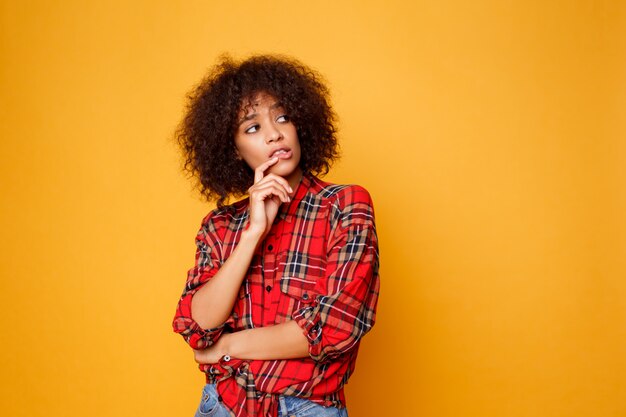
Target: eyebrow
(253, 115)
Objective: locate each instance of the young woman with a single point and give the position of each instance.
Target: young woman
(286, 281)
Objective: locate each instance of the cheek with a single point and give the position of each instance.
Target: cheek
(252, 157)
(244, 150)
(298, 147)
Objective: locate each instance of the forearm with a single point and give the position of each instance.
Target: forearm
(213, 302)
(281, 341)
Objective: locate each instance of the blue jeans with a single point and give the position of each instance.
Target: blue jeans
(288, 406)
(210, 406)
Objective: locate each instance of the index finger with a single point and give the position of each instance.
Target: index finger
(258, 172)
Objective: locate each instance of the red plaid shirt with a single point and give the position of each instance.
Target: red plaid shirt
(318, 266)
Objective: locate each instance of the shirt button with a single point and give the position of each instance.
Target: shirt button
(268, 288)
(305, 296)
(270, 247)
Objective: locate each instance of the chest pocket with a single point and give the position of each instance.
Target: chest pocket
(303, 270)
(303, 276)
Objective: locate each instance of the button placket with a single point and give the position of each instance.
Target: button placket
(269, 265)
(273, 253)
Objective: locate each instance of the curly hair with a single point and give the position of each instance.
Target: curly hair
(206, 133)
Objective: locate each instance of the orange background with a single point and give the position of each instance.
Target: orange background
(491, 135)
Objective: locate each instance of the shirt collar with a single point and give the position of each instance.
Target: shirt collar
(287, 211)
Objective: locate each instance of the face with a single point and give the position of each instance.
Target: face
(264, 130)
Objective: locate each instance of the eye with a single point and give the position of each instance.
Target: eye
(252, 129)
(282, 119)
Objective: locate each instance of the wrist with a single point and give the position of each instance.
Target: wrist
(253, 238)
(253, 235)
(228, 345)
(224, 344)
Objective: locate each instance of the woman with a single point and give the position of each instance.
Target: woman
(286, 282)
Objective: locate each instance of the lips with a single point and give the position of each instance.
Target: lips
(281, 153)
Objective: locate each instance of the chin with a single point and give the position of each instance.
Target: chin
(283, 170)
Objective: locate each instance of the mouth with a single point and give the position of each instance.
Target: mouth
(281, 153)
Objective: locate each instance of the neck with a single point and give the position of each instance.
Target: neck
(294, 178)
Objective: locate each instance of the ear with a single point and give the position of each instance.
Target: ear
(238, 155)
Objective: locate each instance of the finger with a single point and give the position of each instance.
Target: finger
(258, 172)
(272, 179)
(261, 193)
(279, 179)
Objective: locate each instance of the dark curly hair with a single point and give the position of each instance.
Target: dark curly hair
(206, 133)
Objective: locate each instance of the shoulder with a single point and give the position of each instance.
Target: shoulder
(342, 195)
(346, 203)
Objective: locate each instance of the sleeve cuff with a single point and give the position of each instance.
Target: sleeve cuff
(309, 320)
(196, 336)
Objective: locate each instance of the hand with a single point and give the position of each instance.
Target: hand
(214, 353)
(266, 195)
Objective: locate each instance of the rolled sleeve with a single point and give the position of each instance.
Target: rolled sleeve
(208, 260)
(335, 323)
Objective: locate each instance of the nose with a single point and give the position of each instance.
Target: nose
(273, 134)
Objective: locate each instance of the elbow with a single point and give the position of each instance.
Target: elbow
(190, 332)
(195, 336)
(209, 322)
(331, 336)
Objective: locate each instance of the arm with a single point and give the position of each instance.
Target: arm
(220, 292)
(334, 324)
(281, 341)
(208, 263)
(206, 305)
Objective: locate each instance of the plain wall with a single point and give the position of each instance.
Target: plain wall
(490, 134)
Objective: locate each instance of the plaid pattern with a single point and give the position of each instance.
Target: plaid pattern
(317, 266)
